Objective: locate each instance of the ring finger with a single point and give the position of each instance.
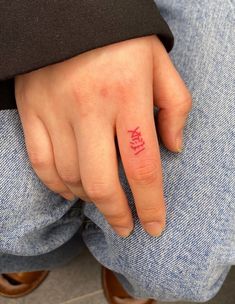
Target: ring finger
(66, 157)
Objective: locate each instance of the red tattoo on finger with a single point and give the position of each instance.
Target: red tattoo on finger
(137, 143)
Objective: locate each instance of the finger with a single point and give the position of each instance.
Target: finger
(172, 99)
(99, 173)
(66, 155)
(41, 155)
(139, 151)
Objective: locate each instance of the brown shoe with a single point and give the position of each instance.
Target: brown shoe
(15, 285)
(114, 292)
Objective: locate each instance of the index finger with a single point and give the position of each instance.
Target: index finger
(139, 150)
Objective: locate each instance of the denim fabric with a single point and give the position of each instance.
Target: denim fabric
(54, 259)
(192, 258)
(30, 212)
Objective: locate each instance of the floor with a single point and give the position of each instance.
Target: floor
(79, 283)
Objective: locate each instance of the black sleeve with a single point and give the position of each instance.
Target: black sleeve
(36, 33)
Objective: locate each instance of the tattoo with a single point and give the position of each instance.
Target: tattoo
(137, 143)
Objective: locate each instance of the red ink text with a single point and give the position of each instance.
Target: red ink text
(137, 143)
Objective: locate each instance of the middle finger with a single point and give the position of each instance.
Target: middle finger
(140, 154)
(99, 172)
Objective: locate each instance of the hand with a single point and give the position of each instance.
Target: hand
(72, 111)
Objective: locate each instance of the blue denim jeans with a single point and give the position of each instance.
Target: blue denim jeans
(41, 230)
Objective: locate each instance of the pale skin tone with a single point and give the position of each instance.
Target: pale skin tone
(71, 112)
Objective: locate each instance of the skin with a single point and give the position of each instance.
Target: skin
(71, 112)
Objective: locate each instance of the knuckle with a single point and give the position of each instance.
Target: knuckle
(149, 214)
(128, 78)
(105, 91)
(77, 91)
(185, 103)
(118, 219)
(83, 105)
(146, 173)
(99, 191)
(55, 186)
(125, 85)
(39, 162)
(70, 178)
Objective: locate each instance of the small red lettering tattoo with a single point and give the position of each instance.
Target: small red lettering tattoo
(137, 143)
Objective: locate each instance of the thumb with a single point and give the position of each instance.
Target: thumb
(171, 97)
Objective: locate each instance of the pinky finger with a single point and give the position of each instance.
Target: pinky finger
(40, 152)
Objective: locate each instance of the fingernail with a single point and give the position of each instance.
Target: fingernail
(154, 228)
(123, 231)
(179, 142)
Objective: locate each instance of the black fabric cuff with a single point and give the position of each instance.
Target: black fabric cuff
(36, 33)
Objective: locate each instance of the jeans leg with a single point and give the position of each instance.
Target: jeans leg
(36, 224)
(48, 261)
(192, 258)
